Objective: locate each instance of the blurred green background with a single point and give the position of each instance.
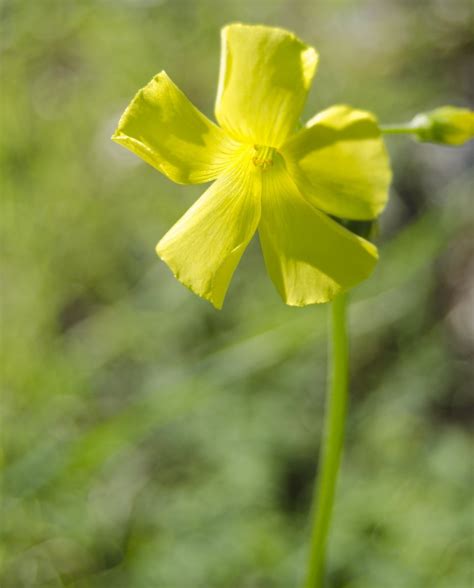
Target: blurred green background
(151, 441)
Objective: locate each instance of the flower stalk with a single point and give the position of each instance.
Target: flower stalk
(332, 443)
(402, 129)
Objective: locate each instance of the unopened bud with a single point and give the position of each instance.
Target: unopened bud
(448, 125)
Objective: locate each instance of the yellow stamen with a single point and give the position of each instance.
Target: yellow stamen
(263, 156)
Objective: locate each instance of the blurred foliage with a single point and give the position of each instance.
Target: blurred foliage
(149, 440)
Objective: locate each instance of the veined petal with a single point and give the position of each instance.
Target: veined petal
(309, 257)
(265, 74)
(163, 127)
(340, 164)
(205, 246)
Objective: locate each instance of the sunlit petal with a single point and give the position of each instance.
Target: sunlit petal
(309, 257)
(204, 247)
(340, 164)
(163, 127)
(264, 78)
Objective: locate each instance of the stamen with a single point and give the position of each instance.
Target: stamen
(263, 156)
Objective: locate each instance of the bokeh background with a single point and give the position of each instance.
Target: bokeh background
(151, 441)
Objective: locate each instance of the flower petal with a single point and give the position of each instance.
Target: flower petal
(309, 257)
(205, 246)
(265, 74)
(163, 127)
(340, 164)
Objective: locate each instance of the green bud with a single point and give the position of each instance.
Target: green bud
(447, 125)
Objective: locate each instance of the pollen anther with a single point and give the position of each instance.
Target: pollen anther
(263, 156)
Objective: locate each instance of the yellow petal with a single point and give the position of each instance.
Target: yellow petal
(265, 74)
(340, 164)
(162, 127)
(205, 246)
(309, 257)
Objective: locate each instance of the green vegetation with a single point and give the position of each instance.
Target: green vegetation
(151, 441)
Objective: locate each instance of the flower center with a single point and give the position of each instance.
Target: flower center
(263, 156)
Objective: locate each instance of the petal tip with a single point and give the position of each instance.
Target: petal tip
(209, 297)
(161, 75)
(117, 137)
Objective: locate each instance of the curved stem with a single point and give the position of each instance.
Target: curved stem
(402, 129)
(332, 443)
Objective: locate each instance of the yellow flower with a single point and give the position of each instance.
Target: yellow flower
(268, 176)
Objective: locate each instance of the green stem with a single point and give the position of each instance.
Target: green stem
(398, 129)
(331, 448)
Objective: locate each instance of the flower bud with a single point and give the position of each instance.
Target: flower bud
(448, 125)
